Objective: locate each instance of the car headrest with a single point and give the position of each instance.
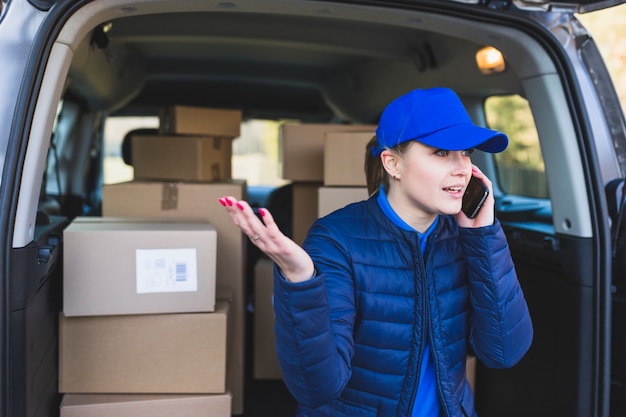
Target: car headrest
(126, 142)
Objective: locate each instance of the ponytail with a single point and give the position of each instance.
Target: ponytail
(375, 175)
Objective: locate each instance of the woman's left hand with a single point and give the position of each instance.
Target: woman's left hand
(295, 264)
(486, 215)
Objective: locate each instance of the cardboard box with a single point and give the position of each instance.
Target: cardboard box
(189, 120)
(470, 371)
(305, 202)
(184, 158)
(344, 158)
(114, 266)
(265, 359)
(149, 405)
(333, 198)
(154, 353)
(197, 201)
(301, 148)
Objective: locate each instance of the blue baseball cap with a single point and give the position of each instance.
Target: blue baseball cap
(435, 117)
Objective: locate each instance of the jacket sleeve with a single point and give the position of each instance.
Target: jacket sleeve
(313, 323)
(501, 329)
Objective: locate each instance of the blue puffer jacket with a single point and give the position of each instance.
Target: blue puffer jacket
(350, 340)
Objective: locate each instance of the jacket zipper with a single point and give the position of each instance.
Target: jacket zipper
(428, 326)
(442, 402)
(421, 267)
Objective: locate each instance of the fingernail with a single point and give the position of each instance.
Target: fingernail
(262, 212)
(240, 206)
(222, 202)
(230, 203)
(474, 169)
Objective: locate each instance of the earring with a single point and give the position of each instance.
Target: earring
(395, 175)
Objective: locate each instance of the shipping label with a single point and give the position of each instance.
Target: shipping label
(166, 270)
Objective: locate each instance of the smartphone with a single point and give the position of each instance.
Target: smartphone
(475, 195)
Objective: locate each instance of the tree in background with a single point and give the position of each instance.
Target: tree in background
(521, 169)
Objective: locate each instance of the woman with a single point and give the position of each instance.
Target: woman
(376, 312)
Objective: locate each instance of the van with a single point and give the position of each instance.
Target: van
(72, 68)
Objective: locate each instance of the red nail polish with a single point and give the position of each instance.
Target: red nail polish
(222, 202)
(230, 203)
(262, 212)
(240, 206)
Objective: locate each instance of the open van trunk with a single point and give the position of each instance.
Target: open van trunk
(79, 62)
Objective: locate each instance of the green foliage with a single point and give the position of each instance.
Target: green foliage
(521, 169)
(512, 115)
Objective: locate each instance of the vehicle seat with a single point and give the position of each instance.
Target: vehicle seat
(127, 154)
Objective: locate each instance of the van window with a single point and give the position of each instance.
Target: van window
(114, 169)
(255, 154)
(520, 168)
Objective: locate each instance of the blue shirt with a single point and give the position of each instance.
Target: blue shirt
(426, 402)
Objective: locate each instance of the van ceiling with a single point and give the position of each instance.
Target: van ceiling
(270, 66)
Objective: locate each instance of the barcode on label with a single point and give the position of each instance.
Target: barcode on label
(181, 272)
(166, 270)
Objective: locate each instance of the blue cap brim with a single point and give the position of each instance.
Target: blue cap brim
(466, 136)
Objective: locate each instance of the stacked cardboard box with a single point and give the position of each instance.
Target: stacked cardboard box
(120, 266)
(265, 359)
(140, 313)
(190, 120)
(344, 173)
(197, 201)
(344, 158)
(181, 158)
(132, 405)
(174, 353)
(187, 355)
(193, 144)
(303, 162)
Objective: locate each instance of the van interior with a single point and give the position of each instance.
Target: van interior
(307, 63)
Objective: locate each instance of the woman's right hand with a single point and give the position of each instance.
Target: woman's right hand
(294, 263)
